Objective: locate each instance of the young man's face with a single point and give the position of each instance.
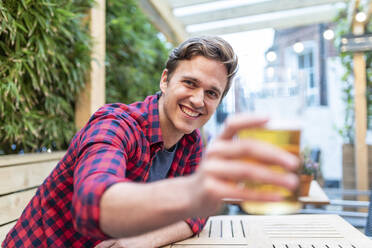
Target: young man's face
(191, 95)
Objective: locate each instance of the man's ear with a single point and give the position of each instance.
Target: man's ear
(164, 81)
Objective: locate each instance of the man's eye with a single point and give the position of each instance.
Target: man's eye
(212, 93)
(190, 83)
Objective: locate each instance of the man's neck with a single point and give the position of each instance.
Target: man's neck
(170, 141)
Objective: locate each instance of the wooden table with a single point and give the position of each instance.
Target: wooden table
(285, 231)
(316, 196)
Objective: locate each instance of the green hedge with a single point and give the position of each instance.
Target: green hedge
(135, 53)
(44, 56)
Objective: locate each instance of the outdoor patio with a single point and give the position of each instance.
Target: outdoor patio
(303, 74)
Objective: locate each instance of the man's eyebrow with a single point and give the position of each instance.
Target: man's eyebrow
(191, 78)
(198, 81)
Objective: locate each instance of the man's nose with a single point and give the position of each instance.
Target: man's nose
(197, 99)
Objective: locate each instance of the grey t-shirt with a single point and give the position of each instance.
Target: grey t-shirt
(161, 164)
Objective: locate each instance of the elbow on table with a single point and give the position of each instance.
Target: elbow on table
(88, 228)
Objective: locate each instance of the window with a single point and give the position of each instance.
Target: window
(306, 64)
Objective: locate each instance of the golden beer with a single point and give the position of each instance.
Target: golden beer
(289, 140)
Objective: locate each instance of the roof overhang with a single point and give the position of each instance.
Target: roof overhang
(179, 19)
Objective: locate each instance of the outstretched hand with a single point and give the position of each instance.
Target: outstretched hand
(224, 166)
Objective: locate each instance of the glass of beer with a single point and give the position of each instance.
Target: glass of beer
(285, 135)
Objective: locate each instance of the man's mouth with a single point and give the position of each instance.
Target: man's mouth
(189, 111)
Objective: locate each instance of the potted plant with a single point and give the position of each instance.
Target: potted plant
(308, 171)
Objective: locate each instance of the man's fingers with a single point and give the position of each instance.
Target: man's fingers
(106, 244)
(253, 150)
(243, 171)
(227, 190)
(118, 244)
(239, 122)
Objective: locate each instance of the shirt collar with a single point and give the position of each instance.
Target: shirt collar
(154, 134)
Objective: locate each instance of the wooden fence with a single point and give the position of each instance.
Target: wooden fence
(349, 167)
(20, 175)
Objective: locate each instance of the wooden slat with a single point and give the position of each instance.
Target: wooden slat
(21, 177)
(342, 213)
(219, 232)
(360, 122)
(341, 192)
(11, 206)
(250, 9)
(227, 229)
(352, 9)
(325, 14)
(354, 6)
(4, 230)
(92, 96)
(349, 169)
(10, 160)
(215, 230)
(360, 85)
(161, 16)
(185, 3)
(22, 173)
(360, 82)
(348, 203)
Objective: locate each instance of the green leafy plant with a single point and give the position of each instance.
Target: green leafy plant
(44, 56)
(342, 28)
(308, 167)
(135, 53)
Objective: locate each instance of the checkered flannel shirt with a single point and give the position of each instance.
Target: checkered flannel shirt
(116, 145)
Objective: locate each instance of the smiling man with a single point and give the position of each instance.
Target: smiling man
(110, 182)
(190, 95)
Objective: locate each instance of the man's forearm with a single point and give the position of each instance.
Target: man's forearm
(130, 209)
(167, 235)
(160, 237)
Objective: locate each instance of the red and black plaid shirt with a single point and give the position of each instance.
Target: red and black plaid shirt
(116, 145)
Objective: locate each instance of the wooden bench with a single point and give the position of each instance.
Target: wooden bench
(20, 175)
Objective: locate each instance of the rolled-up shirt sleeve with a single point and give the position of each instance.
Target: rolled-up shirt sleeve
(196, 224)
(101, 163)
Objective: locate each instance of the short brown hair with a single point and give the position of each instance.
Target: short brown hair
(211, 47)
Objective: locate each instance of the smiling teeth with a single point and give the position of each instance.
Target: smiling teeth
(189, 112)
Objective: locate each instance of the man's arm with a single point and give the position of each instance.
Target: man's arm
(163, 236)
(130, 209)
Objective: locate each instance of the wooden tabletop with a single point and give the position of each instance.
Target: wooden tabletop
(284, 231)
(316, 196)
